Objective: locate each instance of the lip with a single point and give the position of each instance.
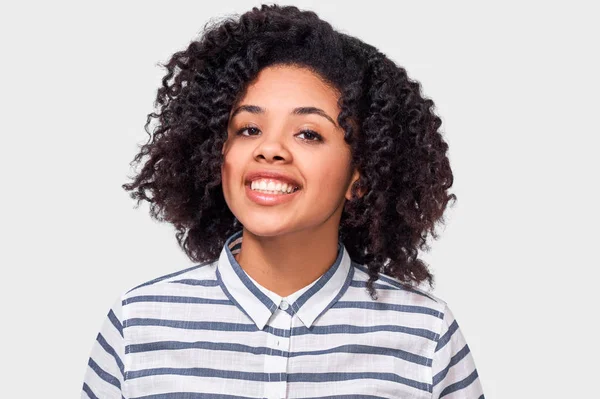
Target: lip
(271, 174)
(269, 199)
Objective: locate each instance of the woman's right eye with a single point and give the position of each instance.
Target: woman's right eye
(250, 130)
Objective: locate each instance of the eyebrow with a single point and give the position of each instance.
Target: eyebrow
(255, 109)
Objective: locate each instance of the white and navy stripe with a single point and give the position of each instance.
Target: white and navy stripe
(211, 331)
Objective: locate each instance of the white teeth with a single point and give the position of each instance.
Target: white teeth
(271, 186)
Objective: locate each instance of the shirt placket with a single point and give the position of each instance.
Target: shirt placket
(276, 363)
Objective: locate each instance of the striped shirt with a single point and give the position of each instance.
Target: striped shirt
(211, 331)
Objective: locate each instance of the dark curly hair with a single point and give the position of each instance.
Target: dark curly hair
(390, 127)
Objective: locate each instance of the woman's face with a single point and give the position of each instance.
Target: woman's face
(268, 135)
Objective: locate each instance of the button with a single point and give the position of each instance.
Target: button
(284, 305)
(277, 343)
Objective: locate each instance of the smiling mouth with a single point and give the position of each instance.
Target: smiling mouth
(274, 192)
(283, 189)
(270, 197)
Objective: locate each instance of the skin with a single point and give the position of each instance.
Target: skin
(288, 246)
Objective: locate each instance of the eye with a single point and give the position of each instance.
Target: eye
(312, 135)
(250, 130)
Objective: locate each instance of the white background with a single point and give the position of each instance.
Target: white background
(516, 86)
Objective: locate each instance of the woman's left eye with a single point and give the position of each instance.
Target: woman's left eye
(312, 135)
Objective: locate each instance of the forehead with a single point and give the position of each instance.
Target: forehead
(284, 87)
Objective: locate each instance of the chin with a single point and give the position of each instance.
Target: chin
(265, 228)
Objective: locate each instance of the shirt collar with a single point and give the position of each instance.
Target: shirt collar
(277, 298)
(308, 303)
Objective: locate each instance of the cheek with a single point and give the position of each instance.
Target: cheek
(225, 173)
(229, 173)
(329, 171)
(232, 161)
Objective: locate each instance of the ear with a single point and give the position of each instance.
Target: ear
(355, 178)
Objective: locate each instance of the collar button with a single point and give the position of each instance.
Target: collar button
(284, 305)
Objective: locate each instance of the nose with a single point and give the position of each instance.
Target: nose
(272, 148)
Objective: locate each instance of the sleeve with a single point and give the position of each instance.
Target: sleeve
(105, 373)
(454, 372)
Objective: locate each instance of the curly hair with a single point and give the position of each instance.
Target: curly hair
(389, 125)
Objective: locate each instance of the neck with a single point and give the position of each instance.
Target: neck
(286, 263)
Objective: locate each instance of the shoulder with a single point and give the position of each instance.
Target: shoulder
(392, 290)
(412, 309)
(202, 274)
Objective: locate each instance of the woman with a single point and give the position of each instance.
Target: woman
(302, 169)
